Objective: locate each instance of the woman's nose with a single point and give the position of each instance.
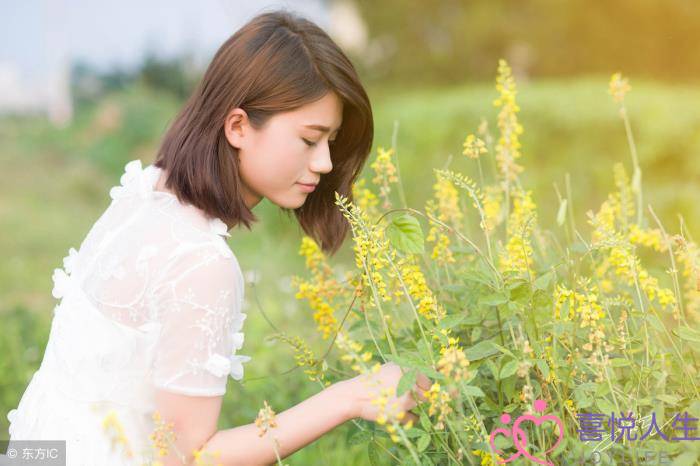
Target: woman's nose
(321, 161)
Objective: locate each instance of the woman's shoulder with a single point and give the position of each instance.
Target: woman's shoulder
(144, 185)
(185, 233)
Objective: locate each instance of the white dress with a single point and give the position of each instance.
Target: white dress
(152, 298)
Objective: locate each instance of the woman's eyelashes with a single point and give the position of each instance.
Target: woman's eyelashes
(312, 143)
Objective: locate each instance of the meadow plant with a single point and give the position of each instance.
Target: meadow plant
(502, 313)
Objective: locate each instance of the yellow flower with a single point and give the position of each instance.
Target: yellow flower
(115, 431)
(508, 147)
(304, 357)
(162, 436)
(418, 289)
(439, 401)
(385, 174)
(266, 419)
(618, 87)
(453, 363)
(203, 457)
(474, 147)
(518, 254)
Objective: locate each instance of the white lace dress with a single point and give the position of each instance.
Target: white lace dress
(152, 298)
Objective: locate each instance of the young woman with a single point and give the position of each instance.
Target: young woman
(150, 316)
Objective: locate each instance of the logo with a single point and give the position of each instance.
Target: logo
(519, 437)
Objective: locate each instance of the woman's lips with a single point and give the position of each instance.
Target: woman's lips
(307, 187)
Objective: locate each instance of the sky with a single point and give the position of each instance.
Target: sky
(35, 33)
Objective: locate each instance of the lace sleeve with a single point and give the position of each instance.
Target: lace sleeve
(198, 304)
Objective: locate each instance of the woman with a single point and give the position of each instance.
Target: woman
(150, 313)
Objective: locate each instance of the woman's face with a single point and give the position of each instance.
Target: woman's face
(287, 151)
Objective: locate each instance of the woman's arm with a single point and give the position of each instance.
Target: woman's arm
(194, 419)
(296, 427)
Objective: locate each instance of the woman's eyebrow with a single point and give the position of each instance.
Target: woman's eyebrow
(321, 128)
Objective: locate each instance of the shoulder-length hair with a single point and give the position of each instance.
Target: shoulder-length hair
(276, 62)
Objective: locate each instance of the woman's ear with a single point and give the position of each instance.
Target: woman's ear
(236, 127)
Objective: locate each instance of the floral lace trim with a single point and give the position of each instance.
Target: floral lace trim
(138, 181)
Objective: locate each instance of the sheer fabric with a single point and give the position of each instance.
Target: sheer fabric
(152, 298)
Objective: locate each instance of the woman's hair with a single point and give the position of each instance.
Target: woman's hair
(276, 62)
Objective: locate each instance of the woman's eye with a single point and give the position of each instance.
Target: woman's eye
(308, 143)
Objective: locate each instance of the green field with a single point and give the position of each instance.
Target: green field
(55, 184)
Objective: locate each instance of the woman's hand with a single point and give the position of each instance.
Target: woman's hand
(369, 387)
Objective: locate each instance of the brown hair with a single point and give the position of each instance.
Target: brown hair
(276, 62)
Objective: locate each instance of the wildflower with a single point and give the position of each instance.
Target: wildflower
(115, 430)
(518, 254)
(304, 357)
(453, 363)
(508, 147)
(365, 199)
(203, 457)
(321, 290)
(385, 174)
(474, 147)
(492, 207)
(418, 289)
(445, 207)
(266, 419)
(353, 353)
(487, 459)
(688, 255)
(371, 247)
(162, 436)
(523, 368)
(618, 87)
(439, 403)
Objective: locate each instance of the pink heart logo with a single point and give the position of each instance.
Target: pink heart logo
(521, 444)
(506, 433)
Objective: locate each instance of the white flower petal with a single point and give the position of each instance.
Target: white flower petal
(218, 365)
(238, 339)
(218, 226)
(135, 181)
(61, 282)
(237, 361)
(69, 260)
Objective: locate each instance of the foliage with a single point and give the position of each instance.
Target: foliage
(498, 311)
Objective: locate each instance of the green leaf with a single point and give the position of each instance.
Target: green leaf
(542, 282)
(481, 350)
(689, 334)
(361, 436)
(472, 391)
(543, 367)
(508, 369)
(423, 442)
(561, 214)
(605, 406)
(372, 454)
(687, 457)
(406, 382)
(620, 362)
(405, 234)
(671, 400)
(503, 349)
(414, 432)
(493, 299)
(655, 322)
(452, 320)
(425, 421)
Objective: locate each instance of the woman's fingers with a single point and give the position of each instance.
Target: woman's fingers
(422, 385)
(423, 381)
(418, 393)
(409, 416)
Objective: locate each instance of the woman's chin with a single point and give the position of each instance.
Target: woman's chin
(292, 202)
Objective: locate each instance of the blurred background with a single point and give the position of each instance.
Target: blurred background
(87, 86)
